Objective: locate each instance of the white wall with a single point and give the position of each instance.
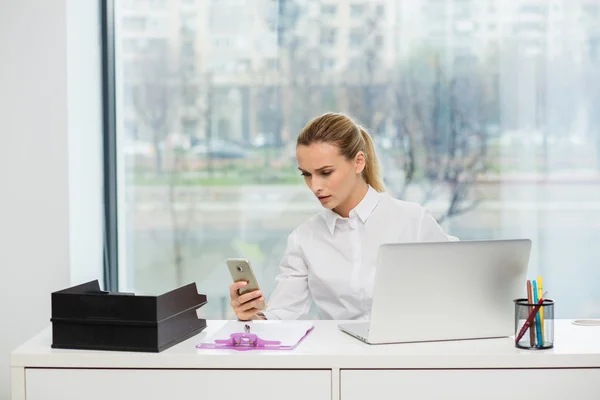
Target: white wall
(84, 94)
(50, 153)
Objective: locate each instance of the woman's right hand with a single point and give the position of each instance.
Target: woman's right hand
(244, 305)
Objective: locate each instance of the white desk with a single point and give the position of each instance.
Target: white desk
(329, 364)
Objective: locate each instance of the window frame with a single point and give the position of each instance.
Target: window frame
(111, 242)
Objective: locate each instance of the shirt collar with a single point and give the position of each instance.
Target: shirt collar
(363, 210)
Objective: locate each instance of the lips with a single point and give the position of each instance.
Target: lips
(321, 198)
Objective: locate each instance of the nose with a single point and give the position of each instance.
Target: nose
(316, 185)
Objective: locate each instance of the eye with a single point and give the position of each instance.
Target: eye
(305, 174)
(326, 173)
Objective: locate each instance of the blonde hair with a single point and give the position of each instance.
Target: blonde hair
(349, 137)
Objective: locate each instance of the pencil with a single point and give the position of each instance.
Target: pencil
(538, 326)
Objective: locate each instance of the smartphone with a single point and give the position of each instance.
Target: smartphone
(241, 270)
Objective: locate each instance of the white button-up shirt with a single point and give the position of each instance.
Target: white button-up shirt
(333, 259)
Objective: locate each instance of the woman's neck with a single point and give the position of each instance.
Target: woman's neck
(353, 200)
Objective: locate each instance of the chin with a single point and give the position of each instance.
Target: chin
(330, 205)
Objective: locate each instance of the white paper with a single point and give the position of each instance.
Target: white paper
(288, 333)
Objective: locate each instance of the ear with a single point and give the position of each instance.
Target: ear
(360, 162)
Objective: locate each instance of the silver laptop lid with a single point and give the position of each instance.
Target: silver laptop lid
(446, 291)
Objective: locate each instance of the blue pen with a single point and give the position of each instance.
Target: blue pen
(538, 325)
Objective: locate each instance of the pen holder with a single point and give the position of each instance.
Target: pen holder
(539, 334)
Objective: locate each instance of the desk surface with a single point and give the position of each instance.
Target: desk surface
(327, 347)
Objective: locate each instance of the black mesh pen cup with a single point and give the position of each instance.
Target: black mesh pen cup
(534, 324)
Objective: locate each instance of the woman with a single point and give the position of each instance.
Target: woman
(331, 257)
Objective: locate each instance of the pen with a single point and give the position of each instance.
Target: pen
(530, 301)
(540, 291)
(530, 318)
(538, 329)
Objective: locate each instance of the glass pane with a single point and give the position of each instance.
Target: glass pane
(484, 111)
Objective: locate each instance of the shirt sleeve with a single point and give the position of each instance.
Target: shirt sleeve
(431, 231)
(291, 298)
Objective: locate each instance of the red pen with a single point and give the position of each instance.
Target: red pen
(530, 318)
(530, 300)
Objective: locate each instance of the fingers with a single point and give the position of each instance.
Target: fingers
(245, 306)
(250, 302)
(234, 287)
(249, 296)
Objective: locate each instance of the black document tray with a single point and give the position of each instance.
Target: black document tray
(85, 317)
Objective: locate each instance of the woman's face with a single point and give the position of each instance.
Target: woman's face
(328, 174)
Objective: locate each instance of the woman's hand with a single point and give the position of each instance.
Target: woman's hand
(245, 306)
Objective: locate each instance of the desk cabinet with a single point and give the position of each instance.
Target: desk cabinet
(490, 384)
(328, 364)
(127, 384)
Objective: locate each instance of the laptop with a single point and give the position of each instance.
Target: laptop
(445, 291)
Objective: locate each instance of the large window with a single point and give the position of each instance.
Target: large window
(486, 111)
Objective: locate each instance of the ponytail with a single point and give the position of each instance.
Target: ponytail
(372, 171)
